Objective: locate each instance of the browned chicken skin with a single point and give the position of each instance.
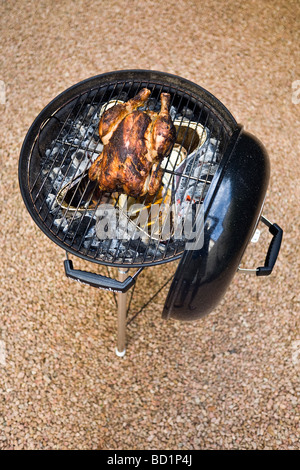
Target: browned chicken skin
(135, 142)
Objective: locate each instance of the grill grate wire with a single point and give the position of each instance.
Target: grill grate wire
(77, 111)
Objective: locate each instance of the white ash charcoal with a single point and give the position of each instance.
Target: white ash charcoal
(197, 156)
(162, 248)
(94, 156)
(56, 178)
(90, 130)
(137, 245)
(91, 236)
(76, 124)
(114, 244)
(91, 111)
(58, 181)
(204, 171)
(119, 224)
(54, 173)
(85, 144)
(52, 152)
(93, 243)
(68, 171)
(153, 105)
(64, 133)
(125, 228)
(121, 232)
(209, 150)
(92, 232)
(103, 245)
(134, 232)
(130, 255)
(95, 144)
(120, 252)
(188, 191)
(193, 192)
(92, 146)
(77, 157)
(86, 131)
(209, 153)
(207, 169)
(45, 172)
(72, 216)
(116, 247)
(173, 112)
(51, 202)
(95, 118)
(81, 165)
(151, 250)
(187, 113)
(79, 225)
(62, 151)
(61, 224)
(99, 147)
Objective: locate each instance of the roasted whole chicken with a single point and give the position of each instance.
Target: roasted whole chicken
(135, 142)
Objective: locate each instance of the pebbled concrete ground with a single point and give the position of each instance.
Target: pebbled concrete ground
(228, 381)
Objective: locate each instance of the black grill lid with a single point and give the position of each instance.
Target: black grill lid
(231, 212)
(63, 140)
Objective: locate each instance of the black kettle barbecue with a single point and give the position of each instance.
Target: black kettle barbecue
(207, 209)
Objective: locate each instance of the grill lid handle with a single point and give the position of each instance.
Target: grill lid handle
(97, 280)
(273, 250)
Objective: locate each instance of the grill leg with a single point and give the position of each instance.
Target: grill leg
(122, 313)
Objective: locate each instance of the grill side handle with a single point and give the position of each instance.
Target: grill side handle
(99, 281)
(273, 250)
(272, 253)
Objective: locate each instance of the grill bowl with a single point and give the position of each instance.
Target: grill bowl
(67, 127)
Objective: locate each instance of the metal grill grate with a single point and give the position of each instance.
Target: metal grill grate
(68, 206)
